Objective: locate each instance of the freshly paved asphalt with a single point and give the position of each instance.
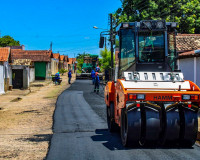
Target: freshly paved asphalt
(80, 131)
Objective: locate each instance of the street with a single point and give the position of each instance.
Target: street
(80, 131)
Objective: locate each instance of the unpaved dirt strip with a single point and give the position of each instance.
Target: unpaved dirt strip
(26, 125)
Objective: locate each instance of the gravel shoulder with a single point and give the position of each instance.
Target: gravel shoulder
(26, 121)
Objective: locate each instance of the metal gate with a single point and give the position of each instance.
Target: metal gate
(17, 78)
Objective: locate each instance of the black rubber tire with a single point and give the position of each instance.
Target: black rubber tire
(172, 125)
(112, 126)
(130, 127)
(151, 126)
(189, 126)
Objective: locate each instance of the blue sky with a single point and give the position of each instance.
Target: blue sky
(67, 23)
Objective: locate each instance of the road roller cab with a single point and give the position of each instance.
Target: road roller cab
(149, 99)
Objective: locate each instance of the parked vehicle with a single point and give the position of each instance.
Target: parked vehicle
(90, 62)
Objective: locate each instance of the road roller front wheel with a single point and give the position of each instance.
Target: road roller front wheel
(112, 126)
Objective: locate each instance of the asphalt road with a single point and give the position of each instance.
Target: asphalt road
(80, 131)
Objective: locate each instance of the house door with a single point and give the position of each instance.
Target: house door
(40, 70)
(17, 78)
(1, 79)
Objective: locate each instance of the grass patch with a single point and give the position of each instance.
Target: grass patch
(54, 93)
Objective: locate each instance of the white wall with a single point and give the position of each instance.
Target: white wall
(1, 78)
(10, 75)
(32, 74)
(7, 76)
(54, 66)
(26, 80)
(187, 67)
(6, 70)
(48, 70)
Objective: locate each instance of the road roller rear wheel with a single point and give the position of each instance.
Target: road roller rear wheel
(172, 125)
(189, 126)
(130, 127)
(151, 125)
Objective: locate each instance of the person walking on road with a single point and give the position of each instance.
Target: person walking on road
(69, 76)
(97, 68)
(97, 82)
(93, 76)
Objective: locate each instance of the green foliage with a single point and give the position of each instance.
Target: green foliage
(185, 12)
(80, 60)
(105, 61)
(8, 41)
(78, 71)
(62, 71)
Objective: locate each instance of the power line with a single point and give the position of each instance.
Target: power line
(57, 36)
(75, 49)
(76, 42)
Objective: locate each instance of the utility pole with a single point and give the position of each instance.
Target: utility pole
(51, 44)
(105, 43)
(111, 45)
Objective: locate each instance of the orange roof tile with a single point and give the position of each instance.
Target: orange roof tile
(33, 55)
(74, 60)
(70, 61)
(62, 57)
(4, 53)
(66, 59)
(187, 42)
(56, 55)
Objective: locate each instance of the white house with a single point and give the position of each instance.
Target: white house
(189, 64)
(188, 48)
(5, 75)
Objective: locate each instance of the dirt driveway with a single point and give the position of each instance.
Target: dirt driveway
(26, 120)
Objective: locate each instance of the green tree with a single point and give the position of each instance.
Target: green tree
(105, 61)
(8, 41)
(80, 60)
(185, 12)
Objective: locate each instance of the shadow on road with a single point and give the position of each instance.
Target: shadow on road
(112, 141)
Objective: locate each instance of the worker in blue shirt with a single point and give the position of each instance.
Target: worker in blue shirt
(57, 77)
(93, 76)
(69, 76)
(97, 69)
(97, 82)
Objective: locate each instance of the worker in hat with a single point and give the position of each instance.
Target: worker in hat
(97, 82)
(93, 76)
(69, 76)
(97, 68)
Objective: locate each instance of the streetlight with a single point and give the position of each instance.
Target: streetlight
(95, 27)
(110, 33)
(102, 34)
